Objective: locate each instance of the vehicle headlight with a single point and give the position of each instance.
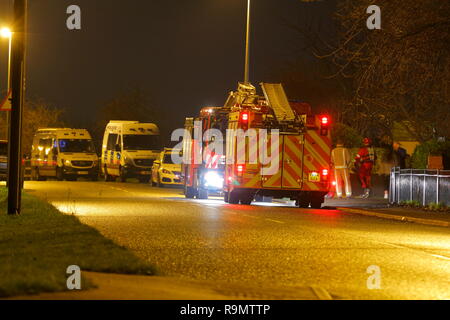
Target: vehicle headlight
(213, 179)
(68, 163)
(128, 161)
(165, 171)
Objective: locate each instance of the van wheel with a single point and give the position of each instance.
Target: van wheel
(144, 180)
(59, 174)
(106, 176)
(122, 175)
(225, 197)
(36, 176)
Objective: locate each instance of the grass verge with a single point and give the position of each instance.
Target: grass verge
(37, 247)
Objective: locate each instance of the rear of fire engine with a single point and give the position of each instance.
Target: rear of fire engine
(203, 167)
(273, 148)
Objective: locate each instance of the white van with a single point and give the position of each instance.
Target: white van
(63, 154)
(129, 150)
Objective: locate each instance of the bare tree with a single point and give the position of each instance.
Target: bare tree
(36, 114)
(131, 105)
(401, 72)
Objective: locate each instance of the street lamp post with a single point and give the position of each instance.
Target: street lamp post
(15, 128)
(6, 33)
(247, 45)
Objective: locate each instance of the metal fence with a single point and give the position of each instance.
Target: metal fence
(424, 186)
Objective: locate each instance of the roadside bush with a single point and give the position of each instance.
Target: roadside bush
(348, 135)
(436, 207)
(411, 204)
(419, 159)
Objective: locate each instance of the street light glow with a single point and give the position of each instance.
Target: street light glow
(5, 33)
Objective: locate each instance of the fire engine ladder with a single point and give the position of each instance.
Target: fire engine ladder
(278, 101)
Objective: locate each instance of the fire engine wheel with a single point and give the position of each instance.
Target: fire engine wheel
(202, 194)
(225, 197)
(303, 203)
(234, 197)
(316, 202)
(247, 198)
(189, 192)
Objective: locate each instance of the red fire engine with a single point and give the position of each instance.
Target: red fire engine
(270, 147)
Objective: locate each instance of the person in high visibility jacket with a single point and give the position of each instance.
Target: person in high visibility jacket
(340, 160)
(364, 162)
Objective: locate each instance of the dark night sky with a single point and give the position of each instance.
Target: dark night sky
(185, 53)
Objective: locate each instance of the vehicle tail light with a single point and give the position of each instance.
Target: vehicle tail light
(325, 174)
(240, 169)
(245, 119)
(324, 125)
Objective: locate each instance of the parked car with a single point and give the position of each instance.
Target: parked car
(165, 172)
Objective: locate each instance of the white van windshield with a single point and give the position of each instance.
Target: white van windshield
(140, 142)
(76, 146)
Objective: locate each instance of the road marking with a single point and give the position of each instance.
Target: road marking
(321, 293)
(412, 249)
(430, 222)
(276, 221)
(440, 257)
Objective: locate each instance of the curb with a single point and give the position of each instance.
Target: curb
(429, 222)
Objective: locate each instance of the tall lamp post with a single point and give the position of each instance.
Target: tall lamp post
(247, 45)
(6, 33)
(17, 88)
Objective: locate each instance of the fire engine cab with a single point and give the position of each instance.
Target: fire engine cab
(258, 145)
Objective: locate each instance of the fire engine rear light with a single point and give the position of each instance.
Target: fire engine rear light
(240, 169)
(245, 117)
(324, 125)
(325, 172)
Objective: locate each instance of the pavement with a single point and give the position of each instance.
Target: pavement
(132, 287)
(268, 250)
(380, 208)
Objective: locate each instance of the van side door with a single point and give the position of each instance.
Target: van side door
(109, 154)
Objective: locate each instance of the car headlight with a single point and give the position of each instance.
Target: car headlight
(165, 171)
(213, 179)
(68, 163)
